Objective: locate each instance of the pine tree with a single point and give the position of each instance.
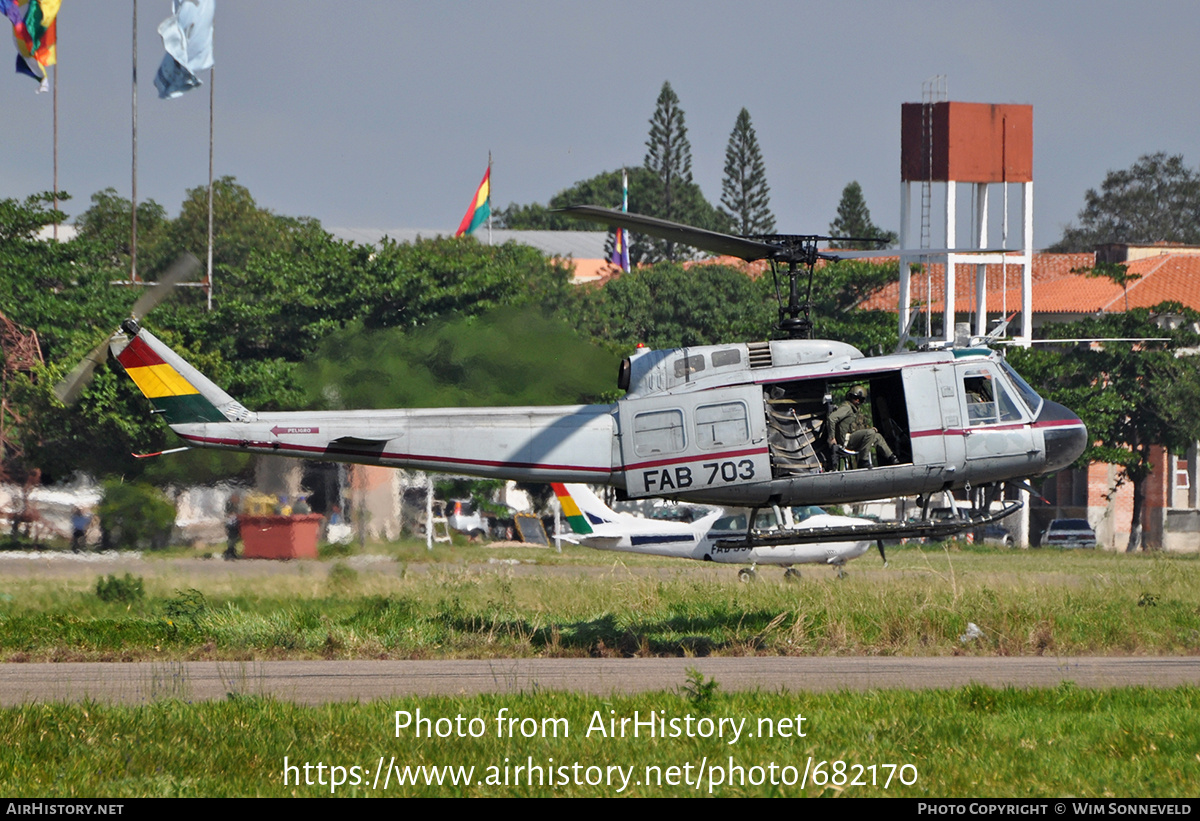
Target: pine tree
(669, 159)
(854, 220)
(745, 194)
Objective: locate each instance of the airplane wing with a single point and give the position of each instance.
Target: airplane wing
(598, 542)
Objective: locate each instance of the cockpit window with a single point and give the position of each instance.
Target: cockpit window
(1027, 393)
(988, 401)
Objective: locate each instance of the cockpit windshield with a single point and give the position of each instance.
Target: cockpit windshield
(1028, 394)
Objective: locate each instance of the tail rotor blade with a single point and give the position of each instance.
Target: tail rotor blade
(181, 269)
(69, 389)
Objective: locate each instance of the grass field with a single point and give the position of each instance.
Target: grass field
(453, 603)
(969, 742)
(402, 602)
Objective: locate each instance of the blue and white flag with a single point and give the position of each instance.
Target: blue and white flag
(188, 38)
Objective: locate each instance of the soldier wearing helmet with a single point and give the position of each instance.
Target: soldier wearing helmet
(848, 428)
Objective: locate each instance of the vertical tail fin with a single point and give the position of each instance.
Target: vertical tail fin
(581, 507)
(177, 390)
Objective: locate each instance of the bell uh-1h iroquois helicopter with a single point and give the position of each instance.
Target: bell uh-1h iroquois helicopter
(742, 424)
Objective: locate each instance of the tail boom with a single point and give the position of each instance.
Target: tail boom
(542, 444)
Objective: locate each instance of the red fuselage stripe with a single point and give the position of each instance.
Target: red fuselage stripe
(380, 455)
(695, 458)
(1052, 423)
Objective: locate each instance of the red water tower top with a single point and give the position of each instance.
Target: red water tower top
(966, 142)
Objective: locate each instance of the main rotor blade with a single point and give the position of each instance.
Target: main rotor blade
(717, 243)
(911, 253)
(180, 269)
(69, 389)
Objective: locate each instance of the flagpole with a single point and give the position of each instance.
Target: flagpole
(56, 136)
(489, 199)
(211, 94)
(133, 275)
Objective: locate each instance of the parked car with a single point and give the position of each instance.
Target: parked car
(997, 534)
(1068, 533)
(463, 516)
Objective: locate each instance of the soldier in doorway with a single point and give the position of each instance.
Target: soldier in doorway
(848, 428)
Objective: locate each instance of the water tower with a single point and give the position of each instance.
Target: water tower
(946, 143)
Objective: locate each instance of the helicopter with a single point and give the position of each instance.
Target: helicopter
(739, 424)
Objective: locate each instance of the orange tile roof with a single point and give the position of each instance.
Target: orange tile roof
(753, 269)
(591, 270)
(1056, 289)
(930, 286)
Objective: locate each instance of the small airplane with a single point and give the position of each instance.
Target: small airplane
(598, 526)
(745, 424)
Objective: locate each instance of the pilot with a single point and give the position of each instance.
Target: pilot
(848, 427)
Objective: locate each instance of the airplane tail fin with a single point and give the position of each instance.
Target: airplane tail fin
(178, 391)
(581, 507)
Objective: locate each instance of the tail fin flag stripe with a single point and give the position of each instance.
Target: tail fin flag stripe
(160, 380)
(571, 511)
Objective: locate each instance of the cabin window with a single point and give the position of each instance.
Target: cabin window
(656, 432)
(687, 365)
(731, 356)
(722, 425)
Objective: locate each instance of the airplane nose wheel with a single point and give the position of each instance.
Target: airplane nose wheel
(747, 575)
(791, 575)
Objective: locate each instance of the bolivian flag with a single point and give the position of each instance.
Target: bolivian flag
(481, 206)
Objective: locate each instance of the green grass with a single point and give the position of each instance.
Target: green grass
(973, 741)
(413, 605)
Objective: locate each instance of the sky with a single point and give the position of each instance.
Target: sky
(380, 114)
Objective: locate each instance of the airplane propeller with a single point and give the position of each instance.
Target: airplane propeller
(71, 387)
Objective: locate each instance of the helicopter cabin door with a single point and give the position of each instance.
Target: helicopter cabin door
(678, 444)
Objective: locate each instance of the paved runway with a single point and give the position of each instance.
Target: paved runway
(317, 682)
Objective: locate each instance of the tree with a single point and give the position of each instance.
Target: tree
(669, 161)
(1114, 272)
(745, 194)
(1131, 395)
(854, 220)
(605, 189)
(1157, 199)
(513, 355)
(667, 306)
(108, 224)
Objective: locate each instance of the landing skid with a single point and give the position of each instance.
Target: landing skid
(875, 530)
